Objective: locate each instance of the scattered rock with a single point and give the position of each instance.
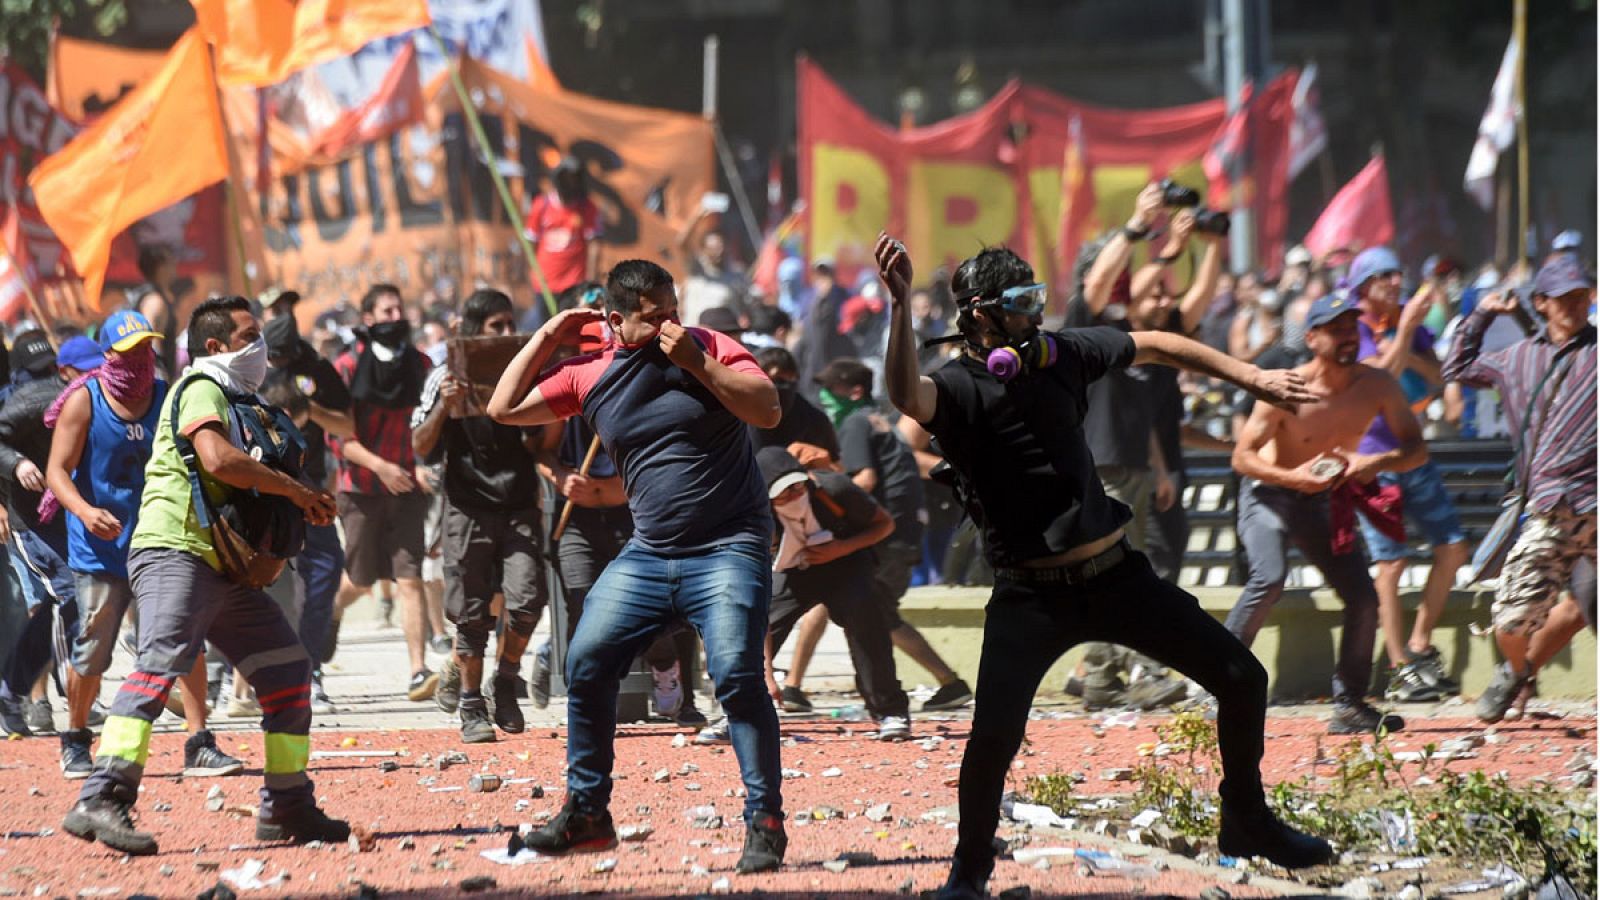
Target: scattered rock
(536, 792)
(1239, 876)
(407, 842)
(879, 813)
(604, 865)
(836, 866)
(167, 871)
(1364, 888)
(662, 776)
(634, 833)
(1215, 893)
(388, 765)
(721, 885)
(1117, 775)
(680, 741)
(214, 799)
(361, 840)
(477, 883)
(1409, 892)
(832, 772)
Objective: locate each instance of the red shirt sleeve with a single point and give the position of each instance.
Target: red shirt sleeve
(727, 351)
(566, 384)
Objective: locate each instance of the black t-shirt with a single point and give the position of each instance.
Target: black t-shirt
(866, 441)
(1120, 404)
(1020, 450)
(320, 382)
(802, 422)
(487, 465)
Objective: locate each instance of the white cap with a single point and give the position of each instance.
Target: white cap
(1298, 255)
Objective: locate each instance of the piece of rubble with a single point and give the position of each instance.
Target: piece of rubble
(634, 833)
(1215, 893)
(662, 776)
(477, 883)
(832, 772)
(878, 813)
(604, 866)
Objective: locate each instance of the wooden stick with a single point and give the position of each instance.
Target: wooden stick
(566, 511)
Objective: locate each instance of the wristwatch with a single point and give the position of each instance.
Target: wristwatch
(1135, 234)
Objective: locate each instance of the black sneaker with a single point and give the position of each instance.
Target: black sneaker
(448, 693)
(539, 686)
(202, 759)
(795, 700)
(302, 826)
(111, 823)
(764, 845)
(507, 714)
(12, 721)
(690, 715)
(572, 831)
(1407, 684)
(1260, 833)
(76, 761)
(1500, 693)
(954, 695)
(1430, 666)
(475, 725)
(423, 684)
(1356, 717)
(40, 717)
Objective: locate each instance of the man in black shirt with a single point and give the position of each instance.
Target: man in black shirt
(493, 532)
(1009, 415)
(321, 564)
(802, 422)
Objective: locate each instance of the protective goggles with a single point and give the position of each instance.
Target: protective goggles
(1027, 300)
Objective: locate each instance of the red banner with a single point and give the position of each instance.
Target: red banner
(1030, 169)
(1357, 217)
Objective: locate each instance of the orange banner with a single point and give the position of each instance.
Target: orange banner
(418, 208)
(159, 144)
(87, 77)
(262, 42)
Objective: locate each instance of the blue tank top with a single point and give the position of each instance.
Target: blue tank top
(110, 475)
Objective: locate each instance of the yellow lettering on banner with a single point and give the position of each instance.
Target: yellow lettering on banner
(850, 199)
(954, 209)
(1044, 196)
(1115, 188)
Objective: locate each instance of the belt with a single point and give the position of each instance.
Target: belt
(1079, 572)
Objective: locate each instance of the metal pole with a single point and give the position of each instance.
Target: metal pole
(1241, 240)
(708, 87)
(1525, 249)
(493, 163)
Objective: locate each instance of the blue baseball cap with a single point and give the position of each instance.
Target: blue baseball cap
(1329, 307)
(1561, 275)
(78, 352)
(123, 330)
(1370, 263)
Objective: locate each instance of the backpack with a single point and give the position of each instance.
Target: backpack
(255, 534)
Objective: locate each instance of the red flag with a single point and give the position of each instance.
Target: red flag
(396, 104)
(16, 269)
(1359, 216)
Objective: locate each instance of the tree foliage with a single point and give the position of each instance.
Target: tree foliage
(25, 25)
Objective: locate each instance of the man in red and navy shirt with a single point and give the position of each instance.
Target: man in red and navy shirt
(671, 405)
(380, 506)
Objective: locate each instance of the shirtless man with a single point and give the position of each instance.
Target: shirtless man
(1293, 464)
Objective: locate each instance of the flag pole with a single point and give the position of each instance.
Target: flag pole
(493, 162)
(27, 287)
(1520, 30)
(233, 176)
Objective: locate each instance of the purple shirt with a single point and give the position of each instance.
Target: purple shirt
(1379, 439)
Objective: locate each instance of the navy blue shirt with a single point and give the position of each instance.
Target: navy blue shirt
(686, 462)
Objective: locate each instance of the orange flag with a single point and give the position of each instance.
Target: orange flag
(261, 42)
(156, 146)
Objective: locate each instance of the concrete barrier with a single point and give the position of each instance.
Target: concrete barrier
(1296, 645)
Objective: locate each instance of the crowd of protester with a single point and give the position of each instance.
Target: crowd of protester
(440, 512)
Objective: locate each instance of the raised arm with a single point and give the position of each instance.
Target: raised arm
(1280, 387)
(910, 391)
(516, 401)
(1397, 355)
(1192, 308)
(1114, 256)
(1466, 364)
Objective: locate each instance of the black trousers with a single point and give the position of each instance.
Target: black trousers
(846, 588)
(592, 539)
(1029, 626)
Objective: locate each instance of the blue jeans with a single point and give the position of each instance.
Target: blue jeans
(725, 594)
(319, 567)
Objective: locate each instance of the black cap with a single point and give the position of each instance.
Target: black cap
(31, 352)
(846, 373)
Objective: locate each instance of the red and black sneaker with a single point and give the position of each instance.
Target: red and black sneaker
(764, 844)
(573, 830)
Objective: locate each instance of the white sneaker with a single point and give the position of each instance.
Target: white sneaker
(667, 691)
(894, 728)
(715, 733)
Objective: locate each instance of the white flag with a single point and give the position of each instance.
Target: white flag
(1497, 130)
(1308, 136)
